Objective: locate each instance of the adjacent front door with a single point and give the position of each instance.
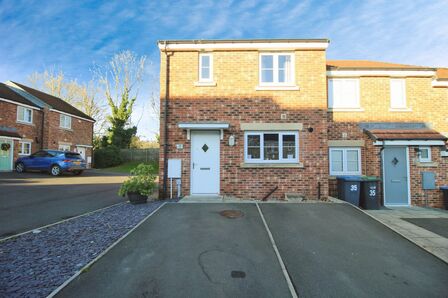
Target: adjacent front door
(205, 162)
(6, 155)
(395, 165)
(81, 151)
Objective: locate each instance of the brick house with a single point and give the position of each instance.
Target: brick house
(31, 120)
(248, 118)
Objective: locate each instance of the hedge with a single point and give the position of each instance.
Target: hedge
(107, 157)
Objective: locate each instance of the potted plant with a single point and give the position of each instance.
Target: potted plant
(140, 185)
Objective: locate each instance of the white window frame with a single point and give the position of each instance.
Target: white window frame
(344, 161)
(275, 82)
(429, 158)
(22, 146)
(62, 123)
(280, 147)
(24, 109)
(201, 79)
(64, 147)
(403, 92)
(337, 105)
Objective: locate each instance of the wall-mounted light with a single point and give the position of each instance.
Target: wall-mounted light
(232, 140)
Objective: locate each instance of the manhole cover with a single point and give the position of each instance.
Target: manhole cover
(231, 213)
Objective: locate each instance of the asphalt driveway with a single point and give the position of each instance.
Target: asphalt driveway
(32, 200)
(329, 250)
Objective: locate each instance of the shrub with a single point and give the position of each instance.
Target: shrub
(142, 181)
(107, 157)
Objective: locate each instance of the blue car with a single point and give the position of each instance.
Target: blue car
(53, 161)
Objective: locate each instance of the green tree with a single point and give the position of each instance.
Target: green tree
(121, 79)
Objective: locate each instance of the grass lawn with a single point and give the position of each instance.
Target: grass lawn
(128, 166)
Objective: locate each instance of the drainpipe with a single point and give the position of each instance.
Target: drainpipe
(381, 171)
(165, 120)
(42, 129)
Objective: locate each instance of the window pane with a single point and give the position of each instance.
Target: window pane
(20, 113)
(270, 146)
(397, 93)
(424, 153)
(267, 61)
(28, 115)
(205, 73)
(284, 68)
(352, 161)
(289, 146)
(253, 147)
(336, 160)
(205, 61)
(267, 76)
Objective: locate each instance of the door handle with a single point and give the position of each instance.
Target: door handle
(205, 169)
(193, 166)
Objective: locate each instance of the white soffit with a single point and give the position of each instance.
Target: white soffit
(379, 73)
(243, 46)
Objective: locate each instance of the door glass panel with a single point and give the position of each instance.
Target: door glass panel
(271, 147)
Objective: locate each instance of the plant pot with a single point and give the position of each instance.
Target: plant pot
(136, 198)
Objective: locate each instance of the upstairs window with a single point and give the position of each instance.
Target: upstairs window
(205, 68)
(276, 69)
(24, 115)
(271, 147)
(65, 121)
(343, 94)
(345, 161)
(64, 147)
(398, 94)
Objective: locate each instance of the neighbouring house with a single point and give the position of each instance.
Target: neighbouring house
(31, 120)
(249, 118)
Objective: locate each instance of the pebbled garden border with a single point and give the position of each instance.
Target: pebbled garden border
(58, 222)
(86, 267)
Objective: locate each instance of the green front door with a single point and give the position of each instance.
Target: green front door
(6, 155)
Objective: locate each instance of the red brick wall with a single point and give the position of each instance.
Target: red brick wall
(234, 100)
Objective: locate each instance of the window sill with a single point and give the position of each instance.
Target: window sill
(205, 84)
(335, 176)
(25, 123)
(272, 165)
(67, 129)
(277, 88)
(23, 154)
(346, 110)
(400, 110)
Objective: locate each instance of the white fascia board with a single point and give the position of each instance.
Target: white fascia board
(437, 83)
(71, 115)
(378, 73)
(410, 143)
(86, 146)
(203, 126)
(10, 138)
(268, 46)
(18, 103)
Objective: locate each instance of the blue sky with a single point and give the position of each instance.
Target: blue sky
(75, 35)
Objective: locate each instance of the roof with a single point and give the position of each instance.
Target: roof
(367, 64)
(442, 73)
(7, 93)
(405, 134)
(55, 102)
(9, 133)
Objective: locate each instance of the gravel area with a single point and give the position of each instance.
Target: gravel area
(34, 264)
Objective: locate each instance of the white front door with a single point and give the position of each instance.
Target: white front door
(82, 151)
(205, 162)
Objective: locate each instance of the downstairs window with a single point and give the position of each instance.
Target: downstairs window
(271, 147)
(345, 161)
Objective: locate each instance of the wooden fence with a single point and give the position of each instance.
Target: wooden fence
(146, 155)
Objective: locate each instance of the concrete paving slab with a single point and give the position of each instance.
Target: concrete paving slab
(435, 225)
(334, 250)
(188, 250)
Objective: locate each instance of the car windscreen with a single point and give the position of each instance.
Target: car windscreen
(73, 155)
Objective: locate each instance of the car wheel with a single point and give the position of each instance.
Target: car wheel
(20, 167)
(77, 173)
(55, 170)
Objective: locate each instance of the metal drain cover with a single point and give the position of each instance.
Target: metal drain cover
(231, 213)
